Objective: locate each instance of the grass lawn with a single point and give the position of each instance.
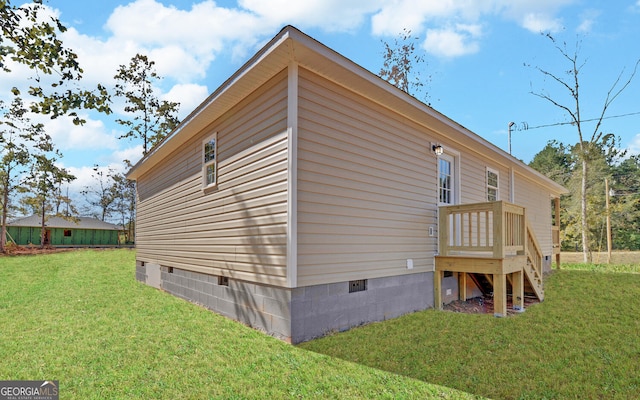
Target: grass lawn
(81, 318)
(582, 342)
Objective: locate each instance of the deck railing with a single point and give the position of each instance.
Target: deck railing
(495, 229)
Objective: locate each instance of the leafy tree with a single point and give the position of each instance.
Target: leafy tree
(44, 182)
(16, 139)
(29, 38)
(101, 197)
(601, 157)
(569, 82)
(124, 203)
(401, 63)
(152, 119)
(561, 163)
(625, 204)
(554, 162)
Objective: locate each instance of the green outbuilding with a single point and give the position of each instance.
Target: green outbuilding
(61, 232)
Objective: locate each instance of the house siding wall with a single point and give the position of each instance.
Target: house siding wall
(366, 188)
(238, 229)
(474, 178)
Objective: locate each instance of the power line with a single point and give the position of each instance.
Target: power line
(524, 126)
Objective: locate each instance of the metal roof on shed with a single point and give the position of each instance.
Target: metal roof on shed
(59, 222)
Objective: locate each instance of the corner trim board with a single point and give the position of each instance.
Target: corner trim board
(292, 175)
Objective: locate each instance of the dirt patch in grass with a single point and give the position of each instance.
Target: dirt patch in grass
(484, 305)
(13, 250)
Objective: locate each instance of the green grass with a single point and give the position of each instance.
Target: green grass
(582, 342)
(81, 318)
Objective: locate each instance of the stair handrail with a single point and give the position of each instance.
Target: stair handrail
(534, 254)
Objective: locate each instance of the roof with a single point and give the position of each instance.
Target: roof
(59, 222)
(292, 46)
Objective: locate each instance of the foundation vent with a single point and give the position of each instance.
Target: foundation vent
(357, 286)
(223, 280)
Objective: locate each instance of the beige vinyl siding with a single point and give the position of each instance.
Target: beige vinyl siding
(239, 228)
(473, 176)
(538, 207)
(534, 197)
(366, 188)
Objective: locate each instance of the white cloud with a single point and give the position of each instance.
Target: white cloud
(86, 175)
(83, 179)
(188, 95)
(211, 29)
(329, 15)
(587, 20)
(414, 14)
(91, 135)
(453, 42)
(634, 146)
(133, 154)
(536, 22)
(453, 28)
(536, 15)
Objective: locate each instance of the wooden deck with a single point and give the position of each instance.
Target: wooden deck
(491, 239)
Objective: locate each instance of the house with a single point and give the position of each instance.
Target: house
(307, 195)
(61, 232)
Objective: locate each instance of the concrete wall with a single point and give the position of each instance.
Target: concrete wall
(299, 314)
(266, 308)
(320, 309)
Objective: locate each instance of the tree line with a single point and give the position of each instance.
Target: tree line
(613, 175)
(31, 180)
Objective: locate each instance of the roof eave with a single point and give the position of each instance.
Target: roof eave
(292, 45)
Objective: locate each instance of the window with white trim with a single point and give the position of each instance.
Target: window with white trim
(445, 180)
(210, 161)
(492, 185)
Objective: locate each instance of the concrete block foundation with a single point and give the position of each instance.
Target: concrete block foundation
(299, 314)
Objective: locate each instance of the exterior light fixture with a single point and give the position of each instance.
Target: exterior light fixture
(437, 149)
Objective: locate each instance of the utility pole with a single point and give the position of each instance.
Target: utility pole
(607, 194)
(511, 124)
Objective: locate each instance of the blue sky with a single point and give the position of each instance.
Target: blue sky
(475, 53)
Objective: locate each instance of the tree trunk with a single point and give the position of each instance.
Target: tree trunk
(586, 254)
(5, 207)
(3, 238)
(43, 231)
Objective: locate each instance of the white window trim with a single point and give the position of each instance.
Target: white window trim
(205, 184)
(455, 189)
(497, 187)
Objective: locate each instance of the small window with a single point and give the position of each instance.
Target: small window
(67, 232)
(492, 185)
(223, 280)
(357, 286)
(210, 161)
(445, 180)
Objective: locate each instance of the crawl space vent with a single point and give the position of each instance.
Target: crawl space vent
(357, 286)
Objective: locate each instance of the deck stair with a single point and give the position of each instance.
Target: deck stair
(492, 244)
